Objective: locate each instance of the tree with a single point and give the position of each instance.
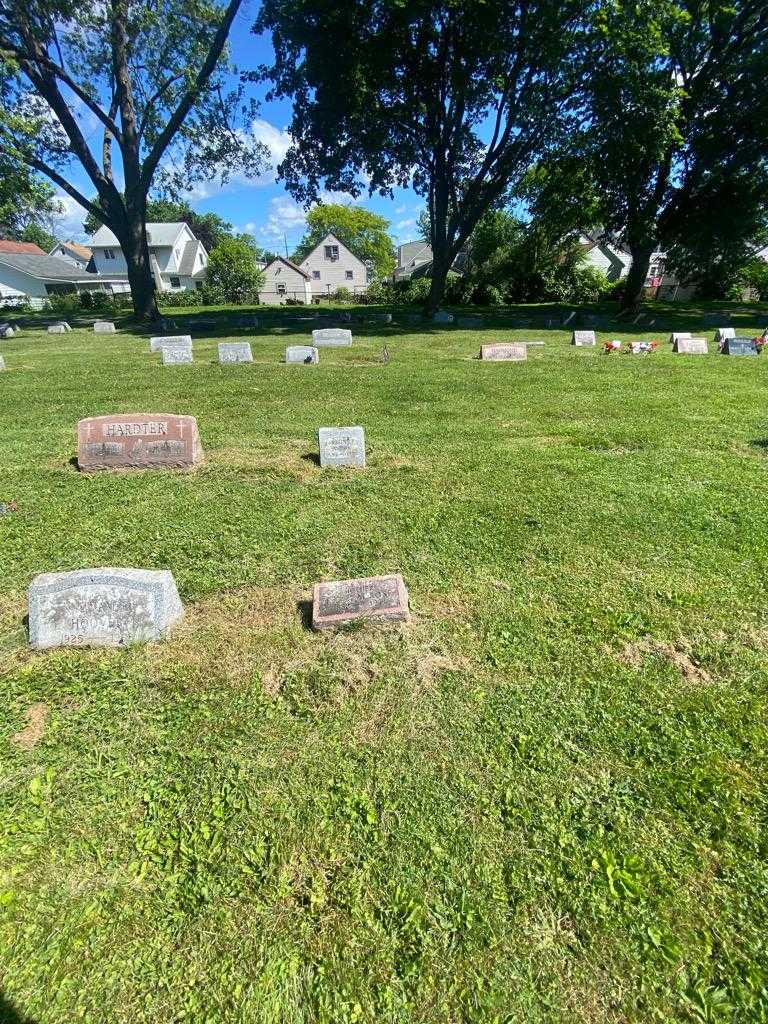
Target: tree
(150, 73)
(37, 234)
(24, 198)
(363, 232)
(232, 274)
(456, 99)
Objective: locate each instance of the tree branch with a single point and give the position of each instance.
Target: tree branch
(57, 179)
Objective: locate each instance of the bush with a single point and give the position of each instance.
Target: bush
(588, 284)
(64, 302)
(232, 274)
(193, 297)
(342, 294)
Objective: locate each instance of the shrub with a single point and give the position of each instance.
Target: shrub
(587, 284)
(173, 300)
(342, 294)
(64, 302)
(232, 274)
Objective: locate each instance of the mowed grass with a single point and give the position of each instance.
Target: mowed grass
(543, 800)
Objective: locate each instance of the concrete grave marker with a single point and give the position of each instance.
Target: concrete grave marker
(235, 352)
(690, 346)
(2, 363)
(173, 355)
(724, 332)
(57, 329)
(301, 354)
(380, 318)
(345, 601)
(101, 607)
(442, 316)
(679, 335)
(341, 447)
(740, 347)
(332, 337)
(138, 441)
(6, 331)
(509, 351)
(155, 344)
(103, 327)
(583, 338)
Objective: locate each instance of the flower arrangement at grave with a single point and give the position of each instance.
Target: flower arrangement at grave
(611, 346)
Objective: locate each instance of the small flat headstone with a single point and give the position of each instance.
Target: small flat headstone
(6, 331)
(57, 329)
(301, 354)
(235, 352)
(375, 597)
(691, 346)
(332, 337)
(724, 332)
(103, 327)
(341, 447)
(740, 347)
(583, 338)
(103, 607)
(138, 441)
(155, 344)
(506, 351)
(174, 355)
(380, 318)
(442, 316)
(678, 336)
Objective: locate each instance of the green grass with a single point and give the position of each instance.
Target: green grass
(544, 800)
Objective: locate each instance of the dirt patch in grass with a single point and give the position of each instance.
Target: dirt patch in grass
(34, 730)
(678, 655)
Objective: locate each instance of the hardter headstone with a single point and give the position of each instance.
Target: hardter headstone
(442, 317)
(155, 344)
(103, 327)
(138, 441)
(173, 355)
(102, 607)
(332, 337)
(235, 352)
(679, 335)
(690, 346)
(583, 338)
(301, 354)
(507, 351)
(341, 447)
(740, 347)
(375, 597)
(724, 332)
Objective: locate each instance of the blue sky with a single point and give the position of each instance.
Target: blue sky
(262, 207)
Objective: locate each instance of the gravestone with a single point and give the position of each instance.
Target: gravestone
(155, 344)
(6, 331)
(508, 351)
(344, 601)
(101, 607)
(724, 332)
(57, 329)
(173, 355)
(740, 347)
(583, 338)
(248, 321)
(413, 318)
(678, 335)
(301, 354)
(380, 318)
(690, 346)
(341, 447)
(2, 363)
(138, 441)
(442, 316)
(332, 337)
(235, 352)
(103, 327)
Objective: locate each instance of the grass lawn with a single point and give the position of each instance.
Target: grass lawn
(543, 800)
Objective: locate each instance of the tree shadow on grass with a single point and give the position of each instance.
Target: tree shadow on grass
(760, 442)
(9, 1014)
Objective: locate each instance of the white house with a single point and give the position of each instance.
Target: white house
(609, 257)
(331, 265)
(283, 280)
(79, 255)
(411, 256)
(27, 274)
(177, 258)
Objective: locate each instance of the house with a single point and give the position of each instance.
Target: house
(332, 265)
(73, 252)
(610, 257)
(283, 280)
(31, 276)
(178, 260)
(411, 256)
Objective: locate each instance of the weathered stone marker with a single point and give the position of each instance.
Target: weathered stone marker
(138, 441)
(344, 601)
(380, 318)
(59, 328)
(235, 352)
(103, 327)
(155, 344)
(722, 333)
(101, 607)
(504, 351)
(740, 347)
(690, 346)
(583, 338)
(679, 335)
(301, 354)
(332, 337)
(6, 331)
(175, 354)
(442, 316)
(2, 363)
(341, 447)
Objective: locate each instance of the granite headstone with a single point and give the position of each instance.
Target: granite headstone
(690, 346)
(679, 335)
(103, 327)
(173, 355)
(583, 338)
(508, 351)
(235, 352)
(301, 354)
(724, 332)
(442, 316)
(740, 347)
(375, 597)
(341, 447)
(332, 337)
(138, 441)
(155, 344)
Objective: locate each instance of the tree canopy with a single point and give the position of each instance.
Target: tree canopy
(232, 273)
(364, 233)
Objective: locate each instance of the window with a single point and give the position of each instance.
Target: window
(331, 252)
(109, 254)
(316, 275)
(175, 282)
(349, 275)
(281, 287)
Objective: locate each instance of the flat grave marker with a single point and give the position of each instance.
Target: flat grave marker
(103, 327)
(174, 355)
(690, 346)
(332, 337)
(341, 447)
(306, 354)
(2, 363)
(61, 328)
(341, 602)
(155, 344)
(678, 336)
(583, 338)
(740, 347)
(103, 607)
(507, 351)
(138, 441)
(235, 352)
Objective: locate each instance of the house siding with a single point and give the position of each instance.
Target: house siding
(333, 273)
(15, 284)
(296, 285)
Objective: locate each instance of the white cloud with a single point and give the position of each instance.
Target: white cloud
(284, 215)
(403, 224)
(68, 222)
(401, 209)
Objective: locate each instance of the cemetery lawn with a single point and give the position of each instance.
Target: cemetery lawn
(543, 800)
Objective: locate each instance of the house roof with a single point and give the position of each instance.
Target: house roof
(157, 234)
(410, 251)
(282, 259)
(338, 241)
(43, 268)
(19, 248)
(187, 262)
(81, 251)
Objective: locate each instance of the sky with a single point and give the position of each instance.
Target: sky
(260, 207)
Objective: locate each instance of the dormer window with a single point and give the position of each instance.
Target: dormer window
(331, 252)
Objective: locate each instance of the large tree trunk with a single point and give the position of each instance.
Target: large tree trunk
(136, 252)
(632, 295)
(440, 268)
